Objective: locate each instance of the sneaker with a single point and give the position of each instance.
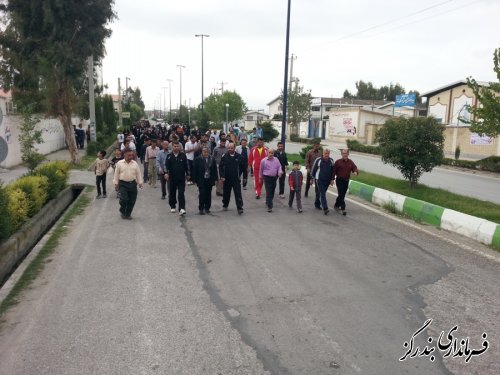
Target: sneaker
(224, 208)
(240, 211)
(173, 210)
(282, 196)
(182, 212)
(299, 210)
(326, 210)
(269, 209)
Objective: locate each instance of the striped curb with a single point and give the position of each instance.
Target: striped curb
(478, 229)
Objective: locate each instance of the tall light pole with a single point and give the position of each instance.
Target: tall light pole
(170, 98)
(227, 117)
(202, 91)
(285, 85)
(164, 107)
(180, 88)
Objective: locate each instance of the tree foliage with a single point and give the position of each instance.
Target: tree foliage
(486, 117)
(413, 145)
(269, 131)
(298, 107)
(105, 114)
(215, 107)
(44, 50)
(29, 137)
(367, 91)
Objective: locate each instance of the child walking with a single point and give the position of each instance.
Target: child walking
(295, 181)
(101, 167)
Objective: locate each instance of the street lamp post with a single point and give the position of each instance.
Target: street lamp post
(164, 98)
(227, 117)
(170, 98)
(202, 91)
(285, 85)
(180, 88)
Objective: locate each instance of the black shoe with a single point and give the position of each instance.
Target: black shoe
(269, 209)
(207, 212)
(202, 212)
(326, 210)
(104, 195)
(240, 211)
(128, 217)
(257, 197)
(337, 209)
(123, 216)
(306, 195)
(344, 213)
(162, 197)
(224, 208)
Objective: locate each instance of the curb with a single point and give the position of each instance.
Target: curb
(478, 229)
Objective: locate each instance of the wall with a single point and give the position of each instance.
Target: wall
(471, 145)
(52, 134)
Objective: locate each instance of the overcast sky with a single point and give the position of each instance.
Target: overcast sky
(421, 44)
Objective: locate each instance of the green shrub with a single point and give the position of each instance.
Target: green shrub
(296, 138)
(354, 145)
(35, 188)
(57, 173)
(5, 222)
(17, 207)
(102, 143)
(491, 163)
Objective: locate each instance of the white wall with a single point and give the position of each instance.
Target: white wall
(52, 134)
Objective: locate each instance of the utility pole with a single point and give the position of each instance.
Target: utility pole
(164, 95)
(91, 98)
(170, 99)
(291, 70)
(126, 87)
(202, 78)
(222, 86)
(285, 84)
(180, 88)
(120, 118)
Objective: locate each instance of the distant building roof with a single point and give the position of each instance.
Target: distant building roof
(451, 86)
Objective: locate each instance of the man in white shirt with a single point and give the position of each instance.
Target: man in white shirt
(191, 149)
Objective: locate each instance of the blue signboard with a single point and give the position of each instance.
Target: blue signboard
(406, 100)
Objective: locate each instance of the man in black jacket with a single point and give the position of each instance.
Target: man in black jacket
(229, 171)
(176, 173)
(204, 175)
(283, 159)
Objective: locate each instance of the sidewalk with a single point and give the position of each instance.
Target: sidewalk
(9, 175)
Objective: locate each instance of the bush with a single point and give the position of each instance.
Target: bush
(57, 173)
(296, 138)
(269, 131)
(35, 188)
(17, 207)
(491, 163)
(5, 222)
(306, 149)
(354, 145)
(470, 164)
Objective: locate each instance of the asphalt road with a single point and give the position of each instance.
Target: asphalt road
(482, 186)
(261, 293)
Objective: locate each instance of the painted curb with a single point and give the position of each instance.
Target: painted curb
(478, 229)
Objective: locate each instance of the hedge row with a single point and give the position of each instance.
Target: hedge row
(491, 163)
(296, 138)
(25, 197)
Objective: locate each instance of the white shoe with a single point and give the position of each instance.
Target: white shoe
(173, 210)
(182, 212)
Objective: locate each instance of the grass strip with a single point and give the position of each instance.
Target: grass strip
(37, 265)
(293, 157)
(84, 163)
(471, 206)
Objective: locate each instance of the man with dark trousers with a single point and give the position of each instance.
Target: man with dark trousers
(243, 150)
(204, 175)
(311, 156)
(283, 159)
(342, 170)
(176, 173)
(127, 177)
(229, 172)
(322, 171)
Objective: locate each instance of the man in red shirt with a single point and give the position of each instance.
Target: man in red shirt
(257, 154)
(342, 171)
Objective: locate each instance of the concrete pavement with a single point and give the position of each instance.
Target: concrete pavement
(280, 293)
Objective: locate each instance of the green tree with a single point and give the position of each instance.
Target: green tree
(29, 137)
(413, 145)
(367, 91)
(269, 131)
(298, 107)
(486, 117)
(44, 52)
(215, 107)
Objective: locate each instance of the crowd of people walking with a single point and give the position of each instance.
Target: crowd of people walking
(177, 156)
